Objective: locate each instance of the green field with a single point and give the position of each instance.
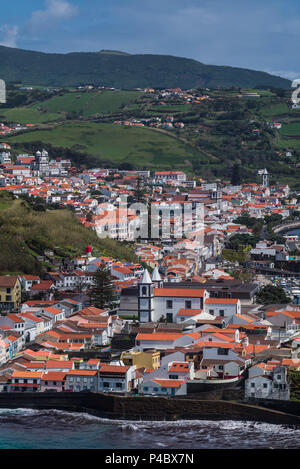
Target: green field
(89, 103)
(275, 110)
(28, 115)
(173, 108)
(110, 142)
(291, 130)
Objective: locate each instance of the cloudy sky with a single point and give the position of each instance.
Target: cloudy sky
(255, 34)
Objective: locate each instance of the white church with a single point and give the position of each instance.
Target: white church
(176, 304)
(153, 300)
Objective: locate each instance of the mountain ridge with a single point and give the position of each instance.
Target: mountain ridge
(126, 71)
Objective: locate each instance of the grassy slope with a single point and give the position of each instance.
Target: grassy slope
(89, 103)
(28, 115)
(146, 148)
(141, 146)
(26, 233)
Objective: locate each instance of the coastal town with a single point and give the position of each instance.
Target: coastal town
(212, 303)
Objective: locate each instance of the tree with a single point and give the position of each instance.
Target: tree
(272, 294)
(89, 216)
(102, 293)
(236, 175)
(139, 192)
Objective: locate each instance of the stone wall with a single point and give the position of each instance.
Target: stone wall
(146, 408)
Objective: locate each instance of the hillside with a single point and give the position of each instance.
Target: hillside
(28, 229)
(109, 143)
(121, 70)
(228, 129)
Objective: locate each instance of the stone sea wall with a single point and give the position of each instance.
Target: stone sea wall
(146, 408)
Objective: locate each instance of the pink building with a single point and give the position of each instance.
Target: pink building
(53, 380)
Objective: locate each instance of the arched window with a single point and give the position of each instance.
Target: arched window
(144, 291)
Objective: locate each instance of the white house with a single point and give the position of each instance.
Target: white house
(222, 307)
(81, 380)
(164, 387)
(273, 385)
(116, 378)
(27, 281)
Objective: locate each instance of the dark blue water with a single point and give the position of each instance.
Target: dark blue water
(36, 429)
(293, 232)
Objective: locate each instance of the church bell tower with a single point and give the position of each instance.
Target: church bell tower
(146, 298)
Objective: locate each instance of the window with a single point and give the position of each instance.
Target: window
(278, 376)
(119, 385)
(173, 376)
(265, 385)
(221, 367)
(46, 383)
(222, 313)
(212, 311)
(146, 388)
(155, 389)
(252, 385)
(188, 304)
(169, 304)
(144, 291)
(106, 385)
(223, 351)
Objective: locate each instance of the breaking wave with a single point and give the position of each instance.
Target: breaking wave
(27, 428)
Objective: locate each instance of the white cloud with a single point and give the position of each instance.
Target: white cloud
(55, 10)
(9, 35)
(284, 74)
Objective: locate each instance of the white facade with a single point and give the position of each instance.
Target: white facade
(117, 381)
(222, 308)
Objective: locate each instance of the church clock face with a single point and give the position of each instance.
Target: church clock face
(144, 303)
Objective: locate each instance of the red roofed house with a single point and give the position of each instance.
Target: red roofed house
(10, 293)
(114, 378)
(53, 381)
(222, 307)
(26, 381)
(164, 387)
(44, 288)
(27, 281)
(81, 380)
(13, 322)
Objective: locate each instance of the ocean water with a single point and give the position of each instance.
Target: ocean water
(53, 429)
(296, 231)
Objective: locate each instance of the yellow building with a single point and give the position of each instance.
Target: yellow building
(148, 359)
(10, 293)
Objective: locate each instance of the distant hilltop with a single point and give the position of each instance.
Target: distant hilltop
(126, 71)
